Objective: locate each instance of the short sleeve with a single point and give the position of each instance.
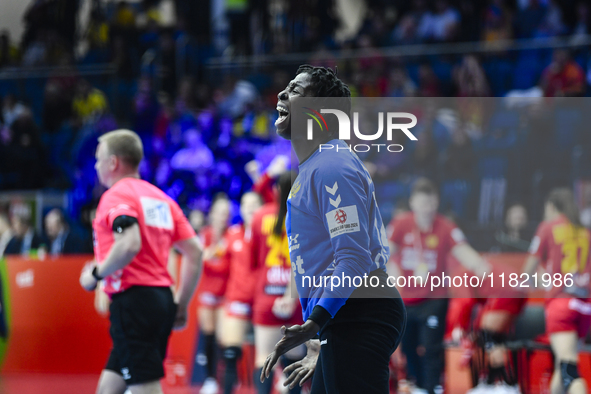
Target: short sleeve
(182, 227)
(395, 231)
(117, 205)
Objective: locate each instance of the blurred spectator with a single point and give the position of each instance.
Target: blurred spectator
(514, 237)
(552, 24)
(498, 22)
(97, 32)
(470, 78)
(563, 77)
(22, 155)
(5, 232)
(11, 109)
(441, 25)
(400, 85)
(145, 108)
(61, 240)
(195, 157)
(124, 15)
(35, 53)
(428, 82)
(89, 103)
(8, 53)
(197, 220)
(583, 23)
(406, 32)
(26, 241)
(529, 18)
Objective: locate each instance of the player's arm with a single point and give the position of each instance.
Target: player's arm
(192, 252)
(470, 259)
(128, 242)
(531, 264)
(392, 267)
(538, 250)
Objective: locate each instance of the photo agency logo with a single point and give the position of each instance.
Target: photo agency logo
(336, 120)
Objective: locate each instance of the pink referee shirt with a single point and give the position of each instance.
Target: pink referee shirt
(161, 223)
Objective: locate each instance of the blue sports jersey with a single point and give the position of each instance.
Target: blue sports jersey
(334, 226)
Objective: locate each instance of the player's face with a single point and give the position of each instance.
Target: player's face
(220, 214)
(300, 86)
(248, 206)
(103, 164)
(424, 205)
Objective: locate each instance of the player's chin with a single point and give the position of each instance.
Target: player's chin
(283, 127)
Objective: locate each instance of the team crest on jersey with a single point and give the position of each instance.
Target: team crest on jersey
(295, 189)
(432, 241)
(342, 220)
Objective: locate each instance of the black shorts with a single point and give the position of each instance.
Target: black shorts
(141, 322)
(356, 345)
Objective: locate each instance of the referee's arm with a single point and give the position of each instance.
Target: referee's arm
(192, 251)
(128, 243)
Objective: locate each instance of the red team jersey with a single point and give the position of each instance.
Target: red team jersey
(161, 224)
(421, 252)
(270, 258)
(241, 277)
(564, 249)
(214, 276)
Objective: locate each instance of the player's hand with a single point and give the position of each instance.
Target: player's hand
(180, 320)
(283, 307)
(303, 370)
(292, 337)
(101, 301)
(277, 166)
(87, 281)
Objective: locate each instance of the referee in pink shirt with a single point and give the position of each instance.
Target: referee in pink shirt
(136, 225)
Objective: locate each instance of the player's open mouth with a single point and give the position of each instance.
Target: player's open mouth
(283, 114)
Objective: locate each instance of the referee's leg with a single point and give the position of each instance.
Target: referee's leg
(356, 347)
(111, 383)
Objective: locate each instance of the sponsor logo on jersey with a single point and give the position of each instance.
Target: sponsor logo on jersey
(156, 213)
(293, 242)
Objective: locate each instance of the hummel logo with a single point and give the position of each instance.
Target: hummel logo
(335, 203)
(323, 342)
(332, 190)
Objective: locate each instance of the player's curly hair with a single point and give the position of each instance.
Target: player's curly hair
(326, 81)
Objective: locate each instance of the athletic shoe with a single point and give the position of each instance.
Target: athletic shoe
(210, 386)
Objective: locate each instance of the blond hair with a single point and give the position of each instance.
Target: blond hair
(126, 145)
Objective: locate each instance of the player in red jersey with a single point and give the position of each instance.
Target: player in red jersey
(270, 255)
(562, 245)
(420, 242)
(212, 286)
(240, 289)
(135, 227)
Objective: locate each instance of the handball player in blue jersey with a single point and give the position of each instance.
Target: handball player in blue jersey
(334, 228)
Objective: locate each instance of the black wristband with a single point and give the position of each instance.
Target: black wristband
(320, 316)
(95, 274)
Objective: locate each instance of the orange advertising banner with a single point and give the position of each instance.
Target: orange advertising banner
(54, 328)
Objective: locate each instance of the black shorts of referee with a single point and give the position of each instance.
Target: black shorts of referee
(141, 323)
(356, 345)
